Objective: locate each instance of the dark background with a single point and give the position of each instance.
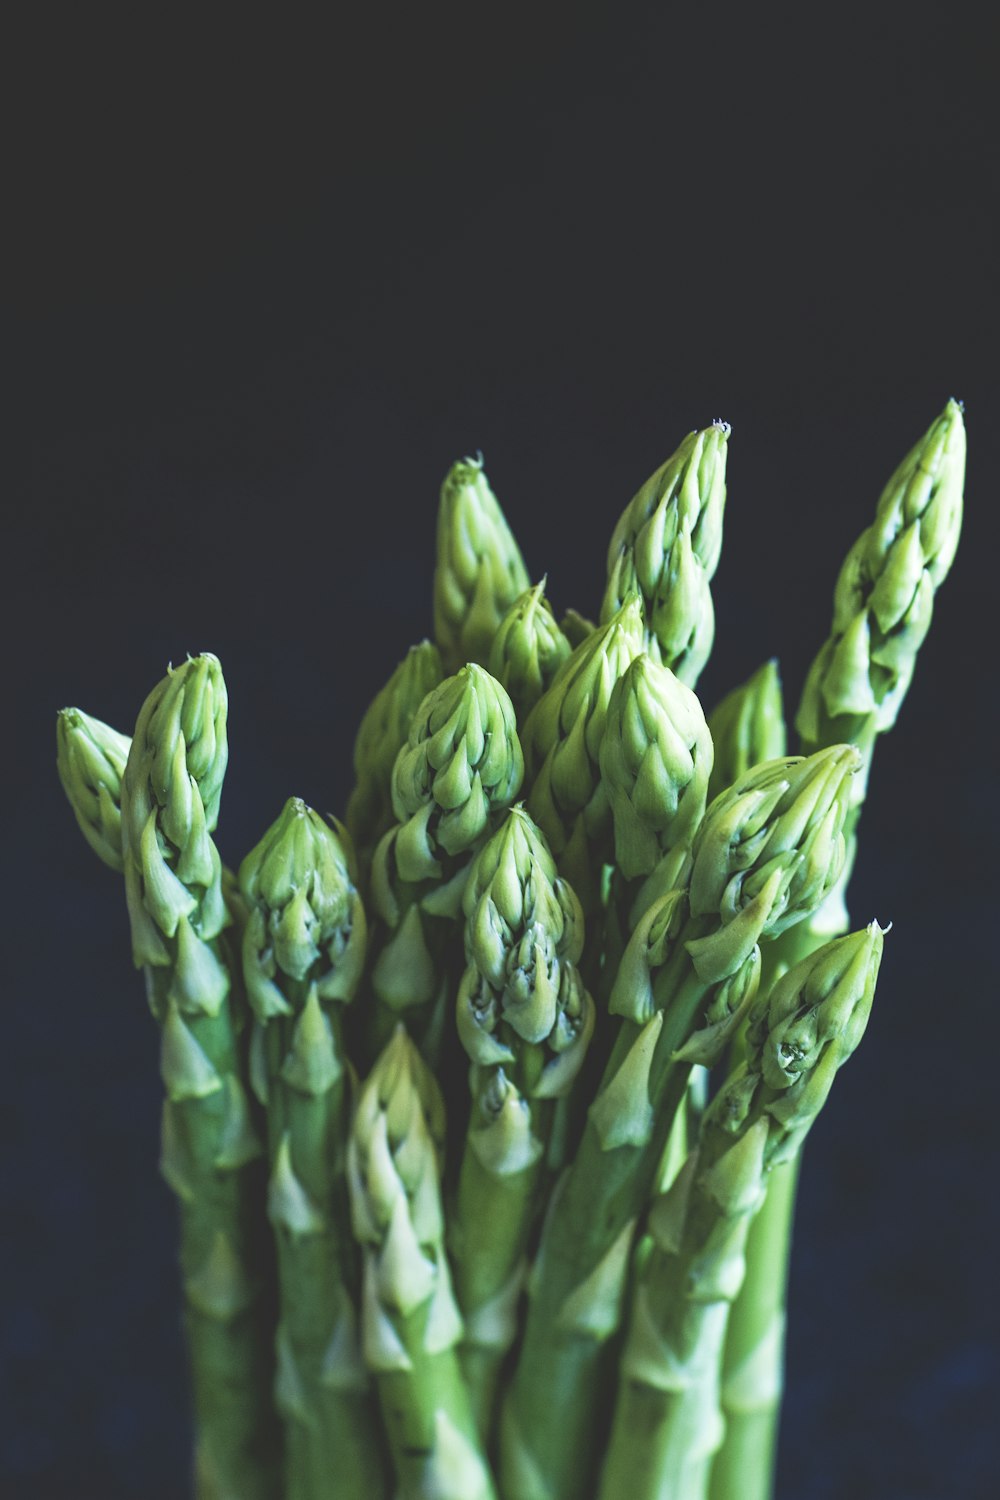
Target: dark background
(267, 283)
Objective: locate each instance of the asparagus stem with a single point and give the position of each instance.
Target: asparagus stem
(668, 1422)
(767, 852)
(173, 883)
(303, 953)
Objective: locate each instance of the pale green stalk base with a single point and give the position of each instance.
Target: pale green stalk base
(753, 1362)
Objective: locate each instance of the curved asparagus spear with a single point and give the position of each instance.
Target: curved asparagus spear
(562, 741)
(767, 852)
(479, 572)
(528, 649)
(667, 1421)
(409, 1322)
(303, 952)
(525, 1020)
(381, 735)
(170, 802)
(855, 687)
(666, 544)
(459, 770)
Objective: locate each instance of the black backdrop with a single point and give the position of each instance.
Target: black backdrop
(267, 284)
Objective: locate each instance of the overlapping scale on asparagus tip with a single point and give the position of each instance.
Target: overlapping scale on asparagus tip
(528, 649)
(562, 743)
(521, 1005)
(666, 545)
(479, 572)
(306, 920)
(770, 849)
(747, 727)
(656, 759)
(459, 770)
(885, 593)
(410, 1322)
(90, 758)
(381, 735)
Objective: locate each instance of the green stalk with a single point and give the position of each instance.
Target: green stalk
(410, 1324)
(767, 852)
(525, 1021)
(173, 883)
(668, 1422)
(882, 610)
(303, 953)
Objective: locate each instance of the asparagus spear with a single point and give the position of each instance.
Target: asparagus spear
(525, 1019)
(666, 544)
(667, 1421)
(459, 770)
(303, 952)
(855, 687)
(766, 854)
(748, 726)
(528, 649)
(90, 758)
(173, 885)
(562, 741)
(479, 572)
(409, 1322)
(381, 735)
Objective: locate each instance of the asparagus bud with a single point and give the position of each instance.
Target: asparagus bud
(306, 918)
(885, 593)
(90, 758)
(666, 544)
(479, 570)
(381, 735)
(562, 741)
(656, 759)
(528, 649)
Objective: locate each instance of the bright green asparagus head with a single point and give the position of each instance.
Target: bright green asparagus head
(798, 1035)
(170, 804)
(885, 593)
(521, 1003)
(513, 884)
(769, 850)
(394, 1159)
(479, 572)
(748, 726)
(528, 649)
(666, 544)
(306, 920)
(460, 768)
(381, 735)
(90, 758)
(562, 740)
(656, 759)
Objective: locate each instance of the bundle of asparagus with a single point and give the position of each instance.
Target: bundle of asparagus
(484, 1111)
